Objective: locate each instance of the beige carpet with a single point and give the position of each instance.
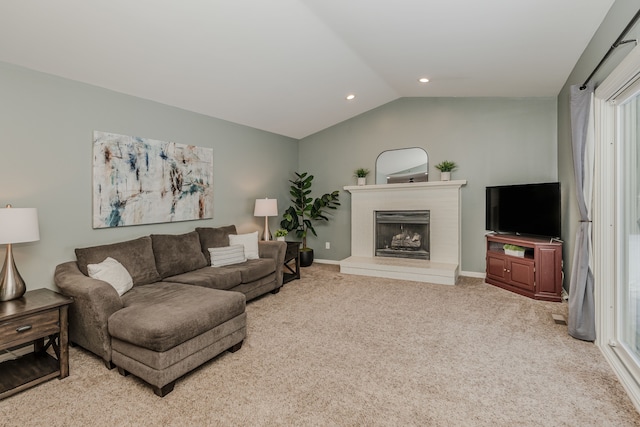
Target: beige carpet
(339, 350)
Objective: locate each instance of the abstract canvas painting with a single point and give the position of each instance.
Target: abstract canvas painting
(145, 181)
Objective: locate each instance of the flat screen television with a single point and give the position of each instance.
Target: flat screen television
(527, 209)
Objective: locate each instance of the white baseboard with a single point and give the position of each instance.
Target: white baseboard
(326, 261)
(473, 274)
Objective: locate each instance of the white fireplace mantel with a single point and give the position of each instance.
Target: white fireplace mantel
(441, 198)
(409, 186)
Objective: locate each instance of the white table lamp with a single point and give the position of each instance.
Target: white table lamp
(17, 225)
(266, 208)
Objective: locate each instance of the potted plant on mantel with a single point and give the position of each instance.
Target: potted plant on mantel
(361, 174)
(305, 210)
(445, 167)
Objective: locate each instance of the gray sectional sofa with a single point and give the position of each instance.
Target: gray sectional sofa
(180, 312)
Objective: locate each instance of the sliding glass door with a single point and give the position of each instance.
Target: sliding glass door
(616, 221)
(628, 230)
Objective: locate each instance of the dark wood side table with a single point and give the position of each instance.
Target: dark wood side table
(292, 256)
(38, 316)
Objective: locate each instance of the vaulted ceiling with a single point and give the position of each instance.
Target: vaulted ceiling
(286, 66)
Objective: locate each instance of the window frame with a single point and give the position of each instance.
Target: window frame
(622, 83)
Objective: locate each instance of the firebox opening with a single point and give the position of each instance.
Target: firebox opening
(402, 234)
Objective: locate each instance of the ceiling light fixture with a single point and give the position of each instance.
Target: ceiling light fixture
(423, 80)
(350, 97)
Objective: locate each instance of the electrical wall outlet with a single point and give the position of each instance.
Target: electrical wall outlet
(327, 245)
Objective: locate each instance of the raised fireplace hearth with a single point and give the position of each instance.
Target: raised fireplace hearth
(441, 199)
(402, 234)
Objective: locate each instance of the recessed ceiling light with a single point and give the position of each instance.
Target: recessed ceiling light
(423, 80)
(350, 97)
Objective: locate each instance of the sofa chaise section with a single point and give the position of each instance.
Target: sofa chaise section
(167, 329)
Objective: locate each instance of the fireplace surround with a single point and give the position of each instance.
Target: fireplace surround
(443, 201)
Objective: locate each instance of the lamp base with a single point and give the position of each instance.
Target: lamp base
(12, 285)
(267, 233)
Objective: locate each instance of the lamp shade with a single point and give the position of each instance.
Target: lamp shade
(18, 225)
(266, 207)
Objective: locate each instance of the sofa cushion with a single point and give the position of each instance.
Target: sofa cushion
(202, 347)
(177, 253)
(214, 238)
(136, 256)
(164, 315)
(257, 288)
(228, 276)
(253, 269)
(209, 277)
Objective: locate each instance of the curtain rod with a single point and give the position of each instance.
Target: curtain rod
(619, 41)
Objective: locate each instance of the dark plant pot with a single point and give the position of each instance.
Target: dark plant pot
(306, 257)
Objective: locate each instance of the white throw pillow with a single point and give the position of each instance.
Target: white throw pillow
(250, 242)
(112, 272)
(227, 255)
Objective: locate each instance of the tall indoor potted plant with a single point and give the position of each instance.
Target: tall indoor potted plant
(305, 210)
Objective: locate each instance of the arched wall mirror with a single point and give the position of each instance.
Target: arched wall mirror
(402, 166)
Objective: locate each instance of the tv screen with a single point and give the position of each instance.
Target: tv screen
(524, 209)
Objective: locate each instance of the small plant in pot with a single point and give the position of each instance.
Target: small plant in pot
(305, 210)
(445, 167)
(514, 250)
(361, 174)
(281, 233)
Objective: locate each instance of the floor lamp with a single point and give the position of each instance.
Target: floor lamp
(17, 225)
(266, 208)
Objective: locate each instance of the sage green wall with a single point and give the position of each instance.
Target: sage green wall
(616, 20)
(494, 141)
(46, 127)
